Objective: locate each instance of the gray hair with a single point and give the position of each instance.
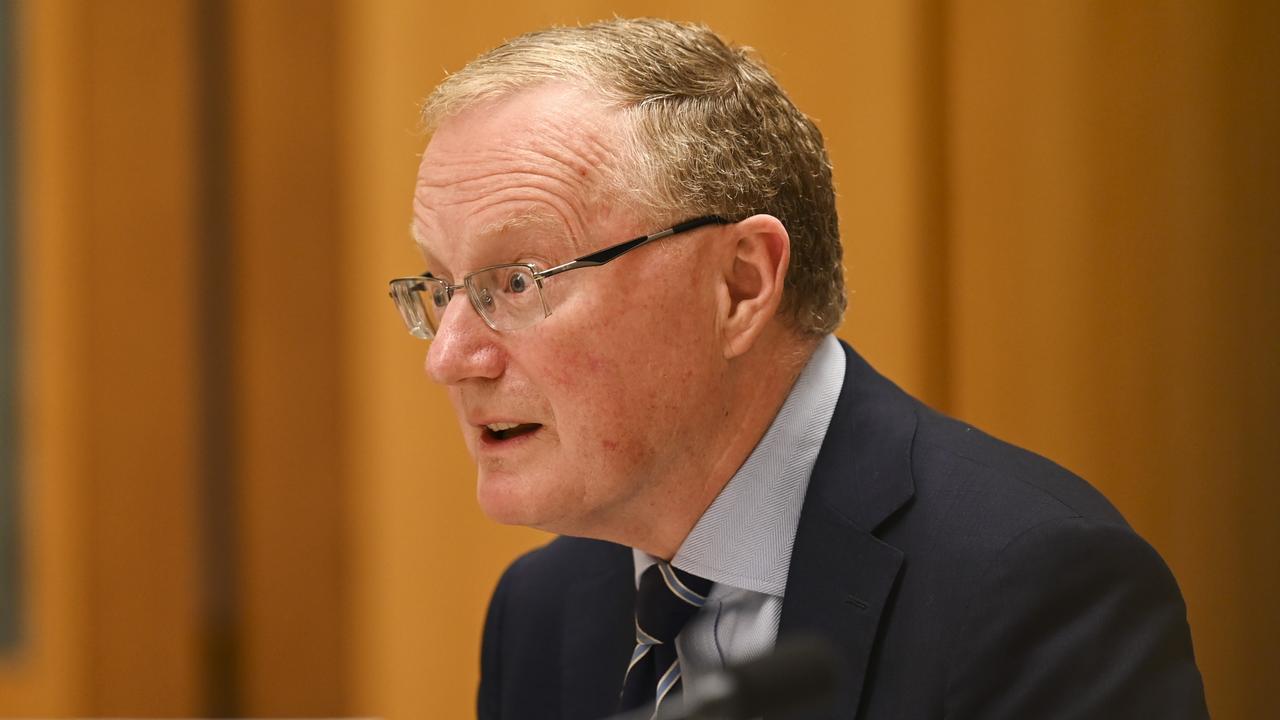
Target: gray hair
(713, 134)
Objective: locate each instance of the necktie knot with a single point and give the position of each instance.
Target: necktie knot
(665, 600)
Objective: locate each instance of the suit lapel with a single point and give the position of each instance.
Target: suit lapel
(842, 576)
(598, 639)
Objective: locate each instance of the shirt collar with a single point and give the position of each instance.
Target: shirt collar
(744, 538)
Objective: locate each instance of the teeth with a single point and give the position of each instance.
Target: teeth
(499, 427)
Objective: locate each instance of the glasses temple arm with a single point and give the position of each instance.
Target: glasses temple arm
(613, 252)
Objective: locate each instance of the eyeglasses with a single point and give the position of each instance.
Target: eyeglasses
(507, 297)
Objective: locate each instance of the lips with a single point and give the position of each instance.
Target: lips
(503, 431)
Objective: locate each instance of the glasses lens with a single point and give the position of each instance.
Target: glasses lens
(421, 302)
(508, 297)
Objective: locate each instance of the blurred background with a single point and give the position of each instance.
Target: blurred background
(227, 489)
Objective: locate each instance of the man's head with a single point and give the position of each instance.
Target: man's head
(654, 375)
(708, 131)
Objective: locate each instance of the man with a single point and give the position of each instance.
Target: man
(718, 464)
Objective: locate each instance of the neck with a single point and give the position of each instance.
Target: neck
(755, 386)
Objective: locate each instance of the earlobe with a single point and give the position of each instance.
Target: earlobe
(754, 274)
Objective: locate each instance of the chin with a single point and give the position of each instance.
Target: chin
(514, 500)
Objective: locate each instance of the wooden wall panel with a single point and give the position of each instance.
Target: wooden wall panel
(136, 270)
(287, 335)
(1114, 292)
(110, 368)
(46, 676)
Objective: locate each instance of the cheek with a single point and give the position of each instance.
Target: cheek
(591, 397)
(625, 366)
(620, 396)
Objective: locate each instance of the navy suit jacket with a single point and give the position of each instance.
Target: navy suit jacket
(959, 577)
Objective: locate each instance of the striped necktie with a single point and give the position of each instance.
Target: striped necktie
(665, 601)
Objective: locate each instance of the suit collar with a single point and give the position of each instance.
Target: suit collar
(842, 575)
(865, 462)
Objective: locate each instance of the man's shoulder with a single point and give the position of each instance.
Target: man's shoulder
(991, 538)
(956, 458)
(964, 481)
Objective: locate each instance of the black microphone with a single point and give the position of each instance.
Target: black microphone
(799, 674)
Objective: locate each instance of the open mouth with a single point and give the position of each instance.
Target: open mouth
(497, 432)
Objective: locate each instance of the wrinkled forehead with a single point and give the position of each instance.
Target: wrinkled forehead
(542, 162)
(532, 223)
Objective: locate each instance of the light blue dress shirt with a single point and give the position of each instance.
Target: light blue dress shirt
(743, 541)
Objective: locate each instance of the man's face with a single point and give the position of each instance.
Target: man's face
(612, 392)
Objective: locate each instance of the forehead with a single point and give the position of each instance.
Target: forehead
(534, 163)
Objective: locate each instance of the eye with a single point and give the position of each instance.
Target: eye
(518, 282)
(439, 296)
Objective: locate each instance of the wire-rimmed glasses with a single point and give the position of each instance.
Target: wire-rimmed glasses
(509, 296)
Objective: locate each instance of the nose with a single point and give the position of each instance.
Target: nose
(464, 347)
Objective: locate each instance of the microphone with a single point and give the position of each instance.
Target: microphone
(800, 673)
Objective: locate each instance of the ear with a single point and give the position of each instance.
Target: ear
(753, 270)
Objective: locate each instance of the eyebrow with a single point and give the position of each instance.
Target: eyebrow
(422, 248)
(528, 221)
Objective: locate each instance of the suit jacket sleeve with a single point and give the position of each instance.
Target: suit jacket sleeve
(1075, 618)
